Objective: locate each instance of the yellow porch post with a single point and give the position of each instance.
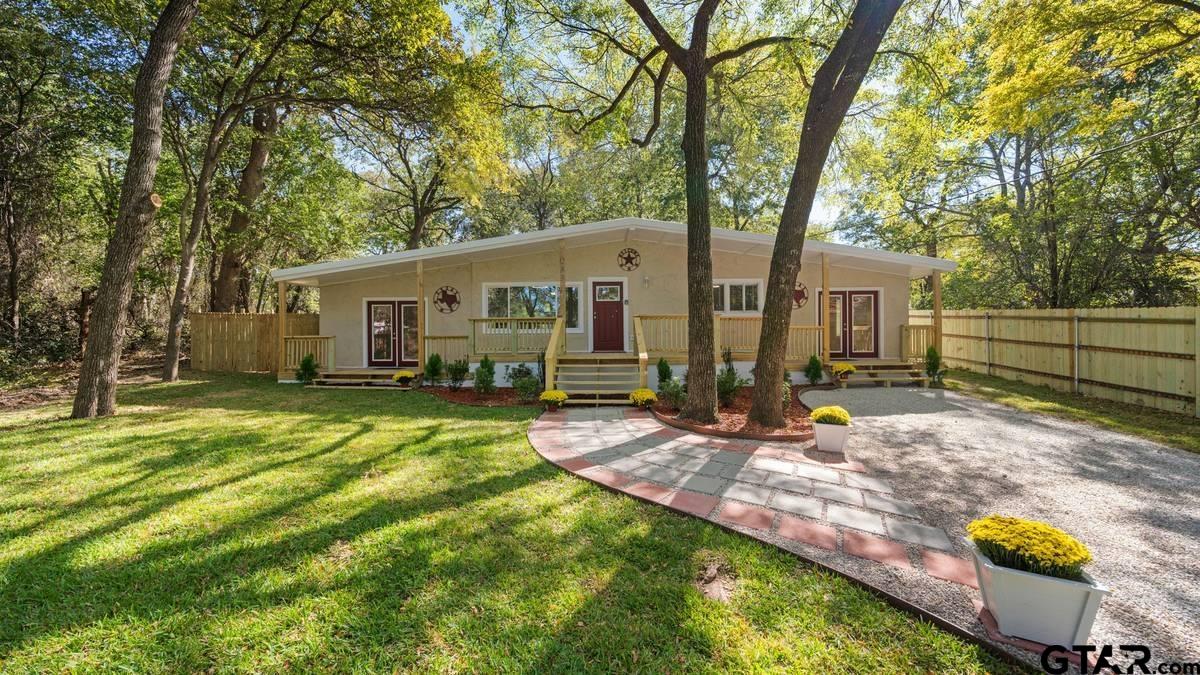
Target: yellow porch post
(420, 315)
(823, 309)
(937, 310)
(281, 327)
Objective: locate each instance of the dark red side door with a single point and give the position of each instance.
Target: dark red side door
(608, 316)
(391, 333)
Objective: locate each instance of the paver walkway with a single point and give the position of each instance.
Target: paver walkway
(783, 493)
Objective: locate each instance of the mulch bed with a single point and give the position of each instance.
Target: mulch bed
(732, 423)
(504, 396)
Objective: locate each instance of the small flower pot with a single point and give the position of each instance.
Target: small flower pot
(551, 407)
(831, 437)
(404, 381)
(1035, 607)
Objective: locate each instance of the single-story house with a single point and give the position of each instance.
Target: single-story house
(602, 301)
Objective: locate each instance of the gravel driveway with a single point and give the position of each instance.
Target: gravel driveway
(1134, 502)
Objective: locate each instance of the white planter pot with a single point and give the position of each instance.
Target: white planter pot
(831, 437)
(1035, 607)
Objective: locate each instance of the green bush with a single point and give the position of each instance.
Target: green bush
(307, 372)
(673, 392)
(527, 388)
(933, 365)
(814, 371)
(485, 376)
(664, 370)
(457, 372)
(434, 368)
(728, 380)
(517, 372)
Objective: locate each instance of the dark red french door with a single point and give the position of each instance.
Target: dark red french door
(853, 322)
(392, 333)
(608, 316)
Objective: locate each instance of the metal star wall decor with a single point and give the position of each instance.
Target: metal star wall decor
(629, 259)
(799, 296)
(446, 299)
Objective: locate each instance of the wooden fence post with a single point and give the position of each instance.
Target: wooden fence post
(987, 342)
(1196, 360)
(1074, 352)
(281, 327)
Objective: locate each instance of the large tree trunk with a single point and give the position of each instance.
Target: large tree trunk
(833, 90)
(97, 393)
(250, 187)
(420, 222)
(701, 404)
(187, 264)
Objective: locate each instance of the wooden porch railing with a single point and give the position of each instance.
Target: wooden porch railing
(915, 341)
(556, 345)
(666, 334)
(296, 347)
(511, 335)
(450, 347)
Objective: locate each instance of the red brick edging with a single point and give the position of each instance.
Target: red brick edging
(721, 433)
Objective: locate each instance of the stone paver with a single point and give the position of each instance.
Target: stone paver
(873, 548)
(859, 520)
(950, 568)
(790, 483)
(891, 505)
(746, 515)
(693, 502)
(705, 484)
(804, 506)
(838, 493)
(755, 494)
(933, 537)
(808, 532)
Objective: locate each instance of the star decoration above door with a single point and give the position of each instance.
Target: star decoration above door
(629, 259)
(446, 299)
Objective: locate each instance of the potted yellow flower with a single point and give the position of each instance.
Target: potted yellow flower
(1032, 580)
(842, 371)
(404, 377)
(643, 398)
(831, 424)
(552, 398)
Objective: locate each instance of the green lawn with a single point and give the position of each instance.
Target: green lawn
(1180, 431)
(231, 524)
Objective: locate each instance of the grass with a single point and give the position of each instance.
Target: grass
(1180, 431)
(232, 524)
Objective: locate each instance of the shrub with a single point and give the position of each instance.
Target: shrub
(813, 372)
(527, 388)
(831, 414)
(933, 365)
(728, 382)
(642, 398)
(517, 372)
(664, 370)
(403, 376)
(840, 369)
(307, 372)
(1030, 546)
(673, 392)
(785, 389)
(457, 372)
(434, 368)
(485, 376)
(553, 397)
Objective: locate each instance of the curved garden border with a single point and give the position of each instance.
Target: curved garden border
(797, 392)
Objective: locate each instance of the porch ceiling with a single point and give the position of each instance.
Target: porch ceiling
(591, 234)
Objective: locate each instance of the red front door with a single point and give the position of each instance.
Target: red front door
(853, 322)
(608, 316)
(391, 333)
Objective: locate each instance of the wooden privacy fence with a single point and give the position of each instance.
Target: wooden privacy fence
(1144, 356)
(242, 343)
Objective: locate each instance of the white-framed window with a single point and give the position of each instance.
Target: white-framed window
(532, 299)
(737, 296)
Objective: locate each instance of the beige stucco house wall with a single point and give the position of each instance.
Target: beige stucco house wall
(589, 253)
